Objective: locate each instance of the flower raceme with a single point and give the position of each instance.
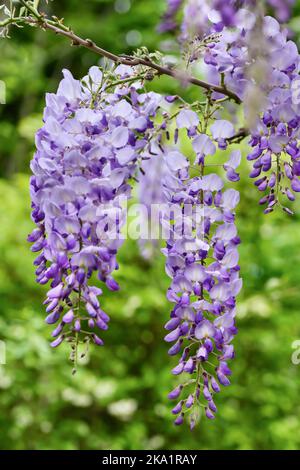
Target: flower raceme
(202, 261)
(274, 121)
(205, 282)
(203, 17)
(253, 57)
(275, 151)
(86, 155)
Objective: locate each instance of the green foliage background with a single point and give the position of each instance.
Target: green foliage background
(118, 400)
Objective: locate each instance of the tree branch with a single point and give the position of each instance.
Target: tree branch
(239, 136)
(40, 20)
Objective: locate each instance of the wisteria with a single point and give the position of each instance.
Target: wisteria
(202, 260)
(169, 18)
(253, 57)
(201, 17)
(282, 8)
(106, 135)
(269, 87)
(86, 154)
(274, 138)
(151, 196)
(205, 281)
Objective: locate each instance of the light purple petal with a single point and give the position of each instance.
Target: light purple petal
(203, 145)
(187, 119)
(69, 88)
(230, 199)
(212, 182)
(122, 109)
(125, 155)
(119, 137)
(205, 329)
(234, 159)
(222, 129)
(230, 259)
(176, 161)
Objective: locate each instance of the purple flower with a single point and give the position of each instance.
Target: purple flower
(86, 153)
(169, 18)
(175, 393)
(202, 287)
(209, 414)
(179, 420)
(187, 119)
(177, 409)
(204, 330)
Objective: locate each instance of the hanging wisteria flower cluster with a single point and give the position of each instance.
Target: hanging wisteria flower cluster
(207, 16)
(272, 88)
(202, 260)
(86, 154)
(107, 134)
(205, 281)
(254, 57)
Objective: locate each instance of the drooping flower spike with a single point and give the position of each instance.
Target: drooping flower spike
(274, 121)
(203, 17)
(253, 56)
(86, 154)
(203, 265)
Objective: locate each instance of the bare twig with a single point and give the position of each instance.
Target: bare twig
(40, 20)
(239, 136)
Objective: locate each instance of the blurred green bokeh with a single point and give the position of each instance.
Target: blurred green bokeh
(118, 400)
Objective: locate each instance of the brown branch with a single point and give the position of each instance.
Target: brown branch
(88, 44)
(239, 136)
(40, 20)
